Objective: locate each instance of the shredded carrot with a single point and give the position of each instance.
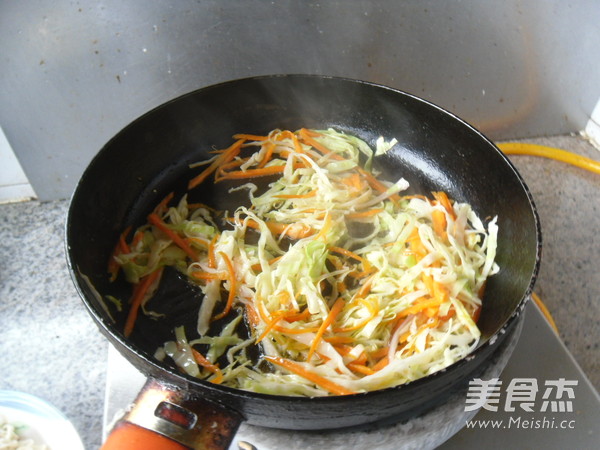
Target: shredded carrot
(290, 196)
(201, 275)
(196, 240)
(223, 158)
(262, 172)
(365, 288)
(162, 206)
(304, 315)
(416, 245)
(275, 317)
(232, 286)
(439, 223)
(297, 145)
(326, 226)
(367, 213)
(443, 199)
(139, 292)
(294, 231)
(354, 181)
(419, 306)
(250, 137)
(360, 368)
(270, 146)
(179, 241)
(377, 185)
(202, 361)
(342, 251)
(120, 248)
(224, 168)
(338, 339)
(381, 364)
(212, 261)
(308, 137)
(335, 309)
(317, 379)
(380, 352)
(252, 315)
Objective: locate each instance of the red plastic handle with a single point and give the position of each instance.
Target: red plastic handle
(165, 417)
(129, 436)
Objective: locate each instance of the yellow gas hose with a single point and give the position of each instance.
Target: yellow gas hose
(519, 148)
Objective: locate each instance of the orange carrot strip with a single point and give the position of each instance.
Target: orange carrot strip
(223, 158)
(288, 196)
(162, 206)
(376, 184)
(201, 275)
(120, 247)
(367, 266)
(296, 368)
(428, 281)
(419, 306)
(353, 181)
(222, 170)
(196, 240)
(212, 261)
(368, 213)
(179, 241)
(443, 199)
(252, 315)
(416, 245)
(360, 368)
(325, 228)
(439, 223)
(298, 316)
(339, 339)
(309, 132)
(381, 364)
(307, 137)
(335, 309)
(232, 287)
(380, 353)
(268, 154)
(275, 317)
(250, 137)
(294, 231)
(202, 361)
(139, 291)
(297, 146)
(365, 288)
(251, 173)
(122, 242)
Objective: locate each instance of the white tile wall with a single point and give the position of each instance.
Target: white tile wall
(592, 130)
(14, 185)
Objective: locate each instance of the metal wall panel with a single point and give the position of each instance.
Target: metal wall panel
(75, 72)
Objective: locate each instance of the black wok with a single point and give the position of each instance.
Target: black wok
(150, 158)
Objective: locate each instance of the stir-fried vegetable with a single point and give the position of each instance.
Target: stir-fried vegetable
(345, 284)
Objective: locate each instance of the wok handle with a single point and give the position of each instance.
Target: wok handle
(166, 417)
(126, 435)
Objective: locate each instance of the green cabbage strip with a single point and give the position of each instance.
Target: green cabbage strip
(410, 271)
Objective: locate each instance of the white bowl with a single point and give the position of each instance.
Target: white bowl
(39, 420)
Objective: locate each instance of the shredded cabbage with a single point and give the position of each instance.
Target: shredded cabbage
(345, 284)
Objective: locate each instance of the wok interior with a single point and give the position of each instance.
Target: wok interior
(150, 158)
